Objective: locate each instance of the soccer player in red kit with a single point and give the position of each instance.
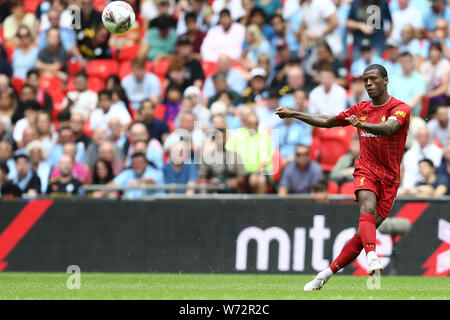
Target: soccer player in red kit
(382, 125)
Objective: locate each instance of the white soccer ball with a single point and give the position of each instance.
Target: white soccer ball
(118, 17)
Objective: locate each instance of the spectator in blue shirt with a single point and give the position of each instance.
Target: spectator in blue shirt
(438, 9)
(179, 171)
(301, 174)
(141, 172)
(368, 57)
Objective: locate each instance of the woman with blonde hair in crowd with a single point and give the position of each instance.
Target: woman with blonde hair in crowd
(254, 46)
(35, 150)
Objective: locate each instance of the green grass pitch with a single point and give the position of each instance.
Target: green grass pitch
(153, 286)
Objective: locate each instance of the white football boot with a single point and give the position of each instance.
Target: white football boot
(318, 282)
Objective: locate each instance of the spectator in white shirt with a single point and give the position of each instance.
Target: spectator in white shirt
(328, 98)
(82, 100)
(227, 37)
(424, 149)
(141, 85)
(440, 126)
(106, 110)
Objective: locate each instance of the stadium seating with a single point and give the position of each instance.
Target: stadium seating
(53, 85)
(31, 5)
(333, 143)
(209, 68)
(333, 187)
(102, 68)
(347, 188)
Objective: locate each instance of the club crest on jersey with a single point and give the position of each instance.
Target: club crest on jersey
(362, 118)
(361, 181)
(400, 113)
(383, 118)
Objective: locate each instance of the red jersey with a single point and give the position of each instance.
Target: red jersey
(380, 155)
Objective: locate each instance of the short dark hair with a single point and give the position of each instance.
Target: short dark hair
(11, 188)
(191, 15)
(31, 105)
(225, 11)
(105, 92)
(406, 54)
(21, 155)
(427, 161)
(138, 154)
(320, 186)
(63, 115)
(382, 70)
(81, 74)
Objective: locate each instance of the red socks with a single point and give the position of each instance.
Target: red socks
(367, 231)
(366, 239)
(349, 252)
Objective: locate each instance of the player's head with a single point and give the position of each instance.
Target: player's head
(375, 80)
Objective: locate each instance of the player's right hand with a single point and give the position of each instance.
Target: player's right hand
(283, 112)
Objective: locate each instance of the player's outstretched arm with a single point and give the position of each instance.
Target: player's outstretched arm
(382, 129)
(316, 120)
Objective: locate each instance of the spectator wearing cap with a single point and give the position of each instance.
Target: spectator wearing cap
(359, 26)
(326, 59)
(435, 70)
(256, 90)
(17, 18)
(159, 42)
(225, 38)
(141, 85)
(140, 173)
(82, 100)
(31, 109)
(319, 22)
(200, 111)
(235, 80)
(192, 66)
(38, 155)
(105, 110)
(27, 180)
(437, 9)
(391, 62)
(194, 34)
(290, 134)
(284, 56)
(65, 185)
(409, 85)
(301, 174)
(179, 169)
(368, 56)
(405, 14)
(328, 98)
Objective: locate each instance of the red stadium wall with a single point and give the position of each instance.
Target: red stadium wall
(254, 235)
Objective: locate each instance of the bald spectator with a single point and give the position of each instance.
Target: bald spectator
(107, 153)
(424, 148)
(77, 125)
(441, 34)
(65, 135)
(29, 134)
(117, 134)
(234, 78)
(153, 150)
(99, 135)
(65, 185)
(79, 170)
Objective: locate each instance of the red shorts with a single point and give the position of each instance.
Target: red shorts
(385, 192)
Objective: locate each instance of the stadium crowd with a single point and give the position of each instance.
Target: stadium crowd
(188, 95)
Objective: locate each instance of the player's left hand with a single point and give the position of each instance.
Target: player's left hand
(354, 121)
